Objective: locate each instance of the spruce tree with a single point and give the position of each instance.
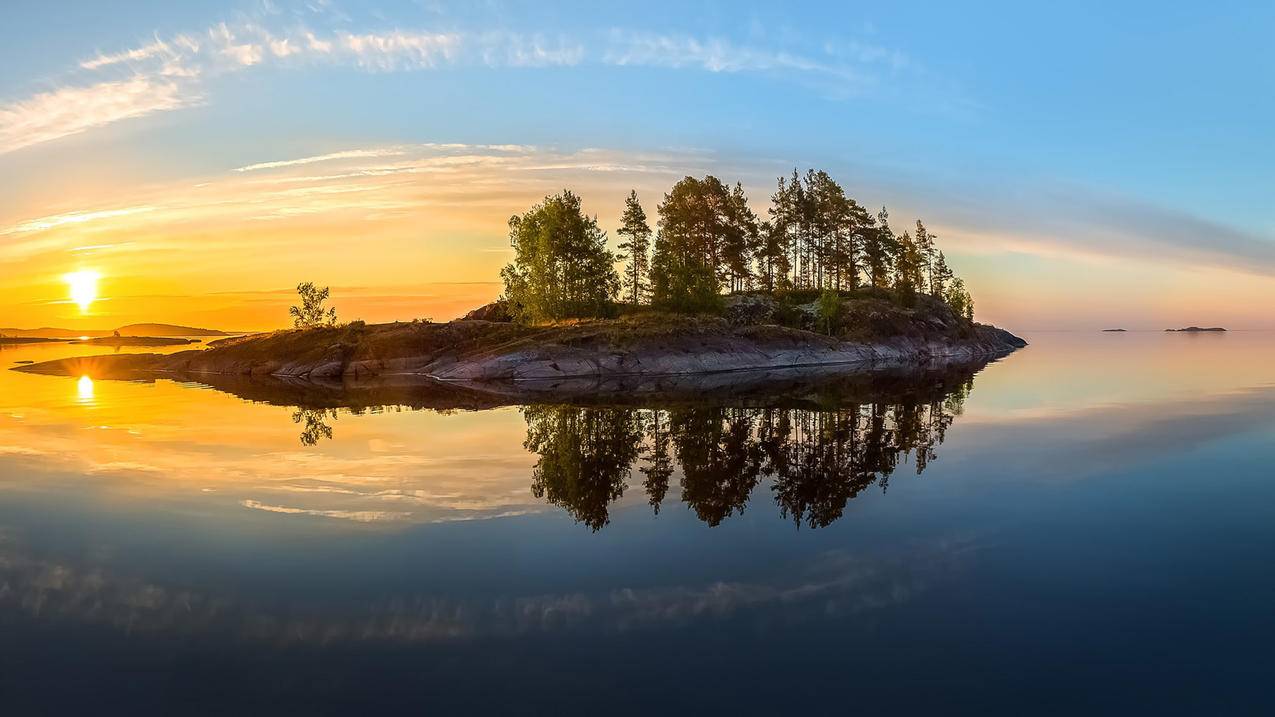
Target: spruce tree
(635, 248)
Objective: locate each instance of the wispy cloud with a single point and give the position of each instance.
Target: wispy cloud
(331, 156)
(169, 73)
(71, 110)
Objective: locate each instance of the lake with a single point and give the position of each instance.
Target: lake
(1085, 525)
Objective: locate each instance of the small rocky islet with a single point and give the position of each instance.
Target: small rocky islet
(752, 332)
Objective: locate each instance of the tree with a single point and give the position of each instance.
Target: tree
(561, 267)
(635, 248)
(959, 299)
(940, 277)
(925, 250)
(739, 239)
(772, 256)
(829, 310)
(908, 268)
(684, 268)
(311, 313)
(879, 247)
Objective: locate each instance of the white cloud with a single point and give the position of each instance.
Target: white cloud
(71, 110)
(166, 74)
(347, 154)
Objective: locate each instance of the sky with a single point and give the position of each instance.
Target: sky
(1085, 165)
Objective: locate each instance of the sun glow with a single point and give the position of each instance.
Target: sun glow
(84, 389)
(83, 287)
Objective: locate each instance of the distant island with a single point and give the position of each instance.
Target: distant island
(1195, 330)
(1116, 331)
(821, 282)
(51, 333)
(136, 341)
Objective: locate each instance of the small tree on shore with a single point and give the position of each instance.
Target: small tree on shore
(311, 313)
(829, 310)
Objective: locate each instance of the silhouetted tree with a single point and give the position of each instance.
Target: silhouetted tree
(311, 313)
(879, 247)
(925, 250)
(940, 276)
(316, 426)
(561, 267)
(908, 268)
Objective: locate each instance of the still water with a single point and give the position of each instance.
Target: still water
(1085, 525)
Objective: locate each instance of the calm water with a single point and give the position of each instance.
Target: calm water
(1086, 525)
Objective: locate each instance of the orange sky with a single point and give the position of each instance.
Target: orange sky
(402, 232)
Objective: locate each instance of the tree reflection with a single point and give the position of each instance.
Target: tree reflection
(316, 426)
(586, 457)
(815, 459)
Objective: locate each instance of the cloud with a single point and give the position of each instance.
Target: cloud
(168, 73)
(71, 110)
(52, 222)
(361, 516)
(347, 154)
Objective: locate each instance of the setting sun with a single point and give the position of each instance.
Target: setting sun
(83, 286)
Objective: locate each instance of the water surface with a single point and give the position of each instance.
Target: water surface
(1083, 525)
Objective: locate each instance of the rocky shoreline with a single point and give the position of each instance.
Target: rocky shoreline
(483, 352)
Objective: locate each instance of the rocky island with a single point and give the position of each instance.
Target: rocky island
(1196, 330)
(823, 284)
(872, 334)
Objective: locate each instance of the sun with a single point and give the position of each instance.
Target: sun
(83, 286)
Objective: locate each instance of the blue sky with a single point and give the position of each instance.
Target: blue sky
(1068, 132)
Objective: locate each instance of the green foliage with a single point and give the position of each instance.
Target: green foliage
(635, 249)
(561, 267)
(709, 241)
(925, 252)
(696, 219)
(908, 268)
(959, 299)
(829, 310)
(940, 276)
(311, 313)
(879, 249)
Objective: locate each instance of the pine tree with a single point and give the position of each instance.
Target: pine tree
(684, 268)
(739, 239)
(635, 248)
(925, 247)
(879, 247)
(941, 275)
(908, 269)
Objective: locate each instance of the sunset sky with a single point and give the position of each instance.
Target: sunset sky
(1084, 165)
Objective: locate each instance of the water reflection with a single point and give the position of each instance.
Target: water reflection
(316, 427)
(816, 460)
(84, 390)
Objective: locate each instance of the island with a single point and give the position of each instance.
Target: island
(50, 333)
(1114, 331)
(135, 341)
(1196, 330)
(822, 285)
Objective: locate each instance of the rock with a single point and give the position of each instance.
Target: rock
(496, 311)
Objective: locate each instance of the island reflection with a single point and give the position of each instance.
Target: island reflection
(818, 440)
